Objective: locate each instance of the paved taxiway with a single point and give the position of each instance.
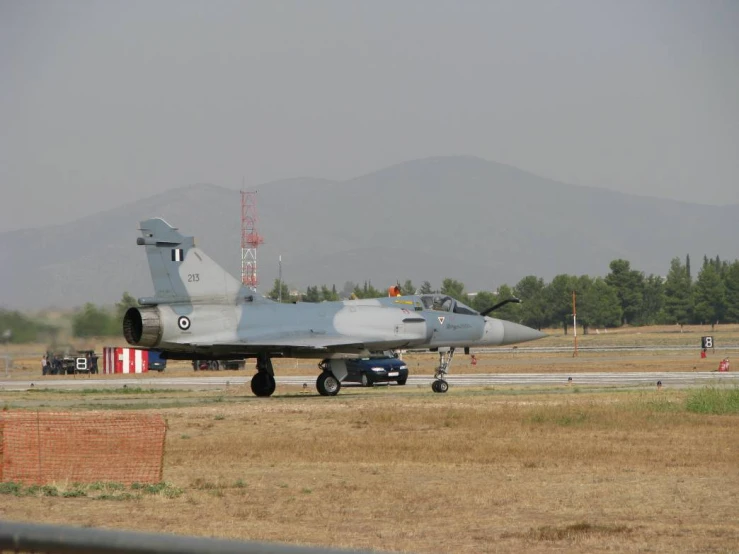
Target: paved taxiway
(626, 379)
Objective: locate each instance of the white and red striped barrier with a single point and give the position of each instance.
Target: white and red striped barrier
(125, 360)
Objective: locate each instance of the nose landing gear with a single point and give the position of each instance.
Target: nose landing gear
(445, 360)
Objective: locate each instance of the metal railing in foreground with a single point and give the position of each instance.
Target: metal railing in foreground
(64, 539)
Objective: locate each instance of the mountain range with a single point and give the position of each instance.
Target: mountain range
(474, 220)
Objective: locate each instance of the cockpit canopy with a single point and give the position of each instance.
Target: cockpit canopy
(444, 303)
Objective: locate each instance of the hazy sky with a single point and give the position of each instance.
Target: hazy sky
(102, 101)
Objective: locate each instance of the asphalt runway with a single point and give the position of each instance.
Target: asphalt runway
(537, 380)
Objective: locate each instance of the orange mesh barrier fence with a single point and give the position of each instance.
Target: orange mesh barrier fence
(37, 448)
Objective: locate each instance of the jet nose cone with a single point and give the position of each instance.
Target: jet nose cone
(513, 333)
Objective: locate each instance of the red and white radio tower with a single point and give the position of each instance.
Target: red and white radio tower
(250, 239)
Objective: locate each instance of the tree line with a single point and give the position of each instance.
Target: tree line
(89, 321)
(623, 296)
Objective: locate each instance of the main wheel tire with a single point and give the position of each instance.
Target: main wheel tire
(263, 384)
(327, 384)
(402, 381)
(366, 381)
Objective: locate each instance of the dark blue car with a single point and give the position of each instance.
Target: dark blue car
(156, 361)
(376, 369)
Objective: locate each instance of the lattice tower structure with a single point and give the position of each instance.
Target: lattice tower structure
(250, 239)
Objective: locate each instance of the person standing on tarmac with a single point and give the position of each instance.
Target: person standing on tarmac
(56, 364)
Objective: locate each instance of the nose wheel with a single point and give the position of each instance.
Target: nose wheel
(439, 386)
(445, 359)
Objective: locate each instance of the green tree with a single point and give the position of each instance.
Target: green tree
(274, 294)
(653, 299)
(731, 286)
(426, 288)
(312, 295)
(483, 300)
(558, 296)
(677, 300)
(530, 290)
(582, 285)
(93, 321)
(629, 286)
(510, 311)
(371, 292)
(17, 328)
(486, 299)
(708, 294)
(367, 291)
(408, 288)
(599, 305)
(329, 295)
(127, 301)
(687, 269)
(453, 288)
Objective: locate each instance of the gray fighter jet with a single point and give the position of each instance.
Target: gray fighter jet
(199, 311)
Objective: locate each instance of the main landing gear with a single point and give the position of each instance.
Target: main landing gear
(445, 360)
(327, 383)
(263, 382)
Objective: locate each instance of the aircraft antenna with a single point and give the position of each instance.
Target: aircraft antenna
(250, 239)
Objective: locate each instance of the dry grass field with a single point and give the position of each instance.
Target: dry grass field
(404, 469)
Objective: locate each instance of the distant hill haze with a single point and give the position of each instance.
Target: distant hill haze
(477, 221)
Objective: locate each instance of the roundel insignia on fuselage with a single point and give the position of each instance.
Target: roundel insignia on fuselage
(183, 323)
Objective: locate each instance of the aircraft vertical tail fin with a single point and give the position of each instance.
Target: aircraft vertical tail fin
(179, 270)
